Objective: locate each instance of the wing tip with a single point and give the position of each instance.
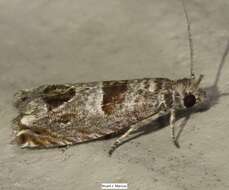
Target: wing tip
(28, 138)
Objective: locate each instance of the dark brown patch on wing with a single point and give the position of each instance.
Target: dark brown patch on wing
(55, 95)
(113, 94)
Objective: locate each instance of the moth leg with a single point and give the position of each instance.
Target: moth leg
(172, 126)
(133, 127)
(120, 139)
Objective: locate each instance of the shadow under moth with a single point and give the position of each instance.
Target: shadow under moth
(68, 114)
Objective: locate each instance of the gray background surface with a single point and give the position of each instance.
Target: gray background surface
(57, 41)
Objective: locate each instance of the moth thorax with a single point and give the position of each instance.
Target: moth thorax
(189, 100)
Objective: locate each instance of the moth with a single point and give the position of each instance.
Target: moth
(60, 115)
(67, 114)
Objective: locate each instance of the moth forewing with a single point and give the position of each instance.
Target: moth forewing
(51, 116)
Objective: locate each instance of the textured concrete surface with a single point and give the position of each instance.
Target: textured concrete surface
(56, 41)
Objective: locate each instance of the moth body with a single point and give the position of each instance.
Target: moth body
(68, 114)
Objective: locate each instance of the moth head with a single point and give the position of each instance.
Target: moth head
(194, 95)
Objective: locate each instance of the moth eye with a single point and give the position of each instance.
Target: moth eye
(189, 100)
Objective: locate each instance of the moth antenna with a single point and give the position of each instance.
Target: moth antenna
(221, 64)
(188, 23)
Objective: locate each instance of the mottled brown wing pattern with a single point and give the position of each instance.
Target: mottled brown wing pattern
(113, 94)
(59, 115)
